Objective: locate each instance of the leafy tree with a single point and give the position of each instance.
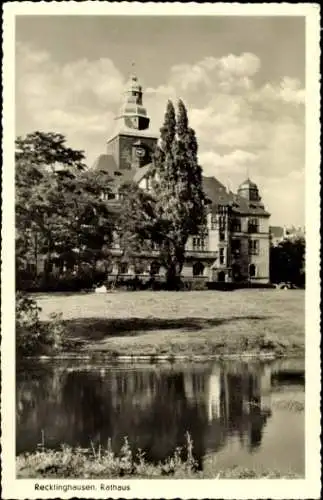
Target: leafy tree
(287, 262)
(58, 205)
(175, 208)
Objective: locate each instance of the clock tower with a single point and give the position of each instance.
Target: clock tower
(132, 144)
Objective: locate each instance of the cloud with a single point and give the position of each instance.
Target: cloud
(245, 65)
(240, 124)
(288, 91)
(285, 198)
(78, 99)
(227, 166)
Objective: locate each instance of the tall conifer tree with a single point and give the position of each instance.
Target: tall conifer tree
(179, 191)
(174, 209)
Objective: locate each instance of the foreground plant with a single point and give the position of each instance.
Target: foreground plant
(98, 462)
(34, 337)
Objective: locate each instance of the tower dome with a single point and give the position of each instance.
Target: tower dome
(249, 190)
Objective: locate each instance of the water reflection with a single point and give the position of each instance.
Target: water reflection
(154, 407)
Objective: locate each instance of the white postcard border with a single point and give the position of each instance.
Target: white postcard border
(240, 489)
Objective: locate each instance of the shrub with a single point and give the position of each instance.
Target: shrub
(198, 284)
(34, 336)
(28, 326)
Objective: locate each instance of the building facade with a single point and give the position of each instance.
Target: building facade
(234, 245)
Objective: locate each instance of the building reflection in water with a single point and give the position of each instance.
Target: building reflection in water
(153, 407)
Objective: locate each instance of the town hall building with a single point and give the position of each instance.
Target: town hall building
(234, 247)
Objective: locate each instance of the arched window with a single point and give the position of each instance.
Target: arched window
(198, 269)
(252, 271)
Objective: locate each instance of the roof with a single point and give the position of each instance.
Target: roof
(121, 129)
(246, 207)
(106, 163)
(141, 172)
(214, 190)
(219, 195)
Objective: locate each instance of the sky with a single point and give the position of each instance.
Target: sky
(242, 79)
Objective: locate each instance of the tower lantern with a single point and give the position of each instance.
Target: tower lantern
(133, 114)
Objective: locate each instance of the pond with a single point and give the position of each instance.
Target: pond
(240, 414)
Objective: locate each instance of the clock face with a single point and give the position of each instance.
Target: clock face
(140, 152)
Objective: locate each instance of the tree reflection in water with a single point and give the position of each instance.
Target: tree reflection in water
(154, 407)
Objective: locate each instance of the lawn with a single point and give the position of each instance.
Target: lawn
(182, 323)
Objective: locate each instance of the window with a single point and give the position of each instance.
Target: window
(154, 267)
(252, 271)
(48, 266)
(236, 225)
(198, 243)
(107, 196)
(222, 235)
(221, 276)
(221, 259)
(139, 268)
(254, 247)
(236, 247)
(30, 267)
(123, 268)
(222, 222)
(198, 269)
(253, 226)
(213, 222)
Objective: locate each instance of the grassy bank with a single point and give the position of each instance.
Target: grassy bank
(98, 463)
(181, 323)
